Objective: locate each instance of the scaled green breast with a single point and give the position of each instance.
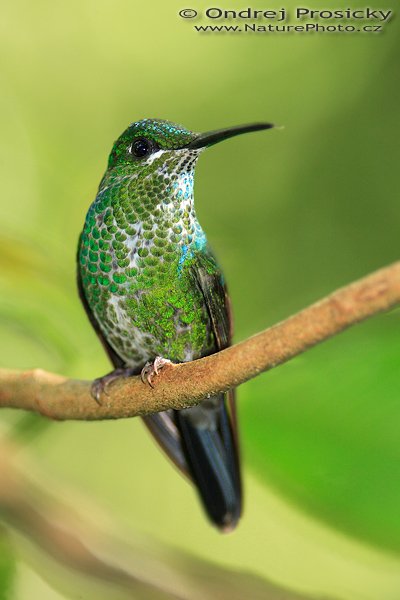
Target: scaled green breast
(136, 269)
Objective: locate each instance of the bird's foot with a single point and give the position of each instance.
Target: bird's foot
(100, 385)
(151, 369)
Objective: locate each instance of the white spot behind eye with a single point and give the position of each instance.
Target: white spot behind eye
(153, 157)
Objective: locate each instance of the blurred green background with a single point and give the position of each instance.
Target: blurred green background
(300, 212)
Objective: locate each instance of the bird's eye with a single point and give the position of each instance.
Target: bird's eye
(140, 148)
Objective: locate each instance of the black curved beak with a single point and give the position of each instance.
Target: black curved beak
(213, 137)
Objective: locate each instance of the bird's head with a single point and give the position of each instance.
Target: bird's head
(144, 142)
(156, 160)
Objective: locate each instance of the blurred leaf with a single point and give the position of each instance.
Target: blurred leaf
(82, 559)
(7, 567)
(28, 427)
(324, 429)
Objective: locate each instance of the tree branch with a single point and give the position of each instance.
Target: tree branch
(183, 385)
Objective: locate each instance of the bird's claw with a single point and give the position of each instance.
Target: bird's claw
(100, 385)
(97, 389)
(152, 369)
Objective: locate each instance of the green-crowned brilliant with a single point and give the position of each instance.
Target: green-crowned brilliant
(154, 292)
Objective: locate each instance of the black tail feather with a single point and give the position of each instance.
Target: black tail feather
(211, 454)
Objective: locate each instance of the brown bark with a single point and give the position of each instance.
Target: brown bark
(182, 385)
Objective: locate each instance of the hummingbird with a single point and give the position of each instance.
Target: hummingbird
(155, 293)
